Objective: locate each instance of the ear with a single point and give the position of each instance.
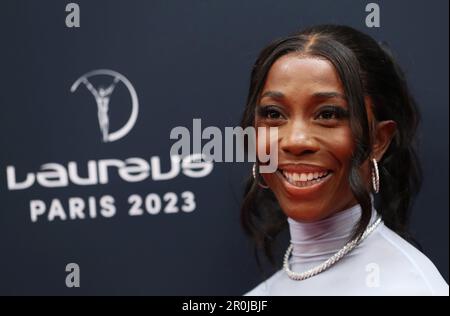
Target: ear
(384, 132)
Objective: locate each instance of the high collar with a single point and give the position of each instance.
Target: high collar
(319, 240)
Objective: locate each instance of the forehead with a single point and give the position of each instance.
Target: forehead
(293, 74)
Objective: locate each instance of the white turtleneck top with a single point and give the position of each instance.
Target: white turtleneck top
(382, 264)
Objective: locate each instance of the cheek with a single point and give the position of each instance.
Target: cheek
(339, 143)
(262, 143)
(342, 146)
(267, 144)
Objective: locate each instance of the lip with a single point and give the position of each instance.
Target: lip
(303, 192)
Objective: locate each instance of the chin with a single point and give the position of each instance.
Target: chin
(304, 211)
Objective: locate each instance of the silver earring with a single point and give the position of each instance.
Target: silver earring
(375, 176)
(264, 186)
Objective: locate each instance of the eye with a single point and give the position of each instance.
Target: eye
(269, 112)
(273, 114)
(332, 113)
(327, 115)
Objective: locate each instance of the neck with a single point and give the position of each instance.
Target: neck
(319, 240)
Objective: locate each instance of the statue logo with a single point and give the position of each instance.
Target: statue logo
(102, 97)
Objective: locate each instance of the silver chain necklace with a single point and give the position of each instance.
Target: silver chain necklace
(329, 262)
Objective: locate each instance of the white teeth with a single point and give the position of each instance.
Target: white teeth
(303, 177)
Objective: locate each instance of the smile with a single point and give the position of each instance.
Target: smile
(305, 179)
(303, 183)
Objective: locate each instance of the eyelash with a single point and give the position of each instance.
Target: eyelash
(264, 111)
(337, 111)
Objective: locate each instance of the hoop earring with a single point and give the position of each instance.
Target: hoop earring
(375, 176)
(264, 186)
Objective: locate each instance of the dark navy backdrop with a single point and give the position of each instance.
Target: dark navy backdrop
(185, 59)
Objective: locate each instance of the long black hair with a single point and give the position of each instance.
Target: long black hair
(365, 68)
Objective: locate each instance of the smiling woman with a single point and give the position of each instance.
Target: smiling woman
(346, 124)
(304, 98)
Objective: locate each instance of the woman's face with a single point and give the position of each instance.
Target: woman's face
(304, 98)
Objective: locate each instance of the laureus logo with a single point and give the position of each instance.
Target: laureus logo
(103, 94)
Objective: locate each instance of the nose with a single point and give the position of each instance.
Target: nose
(297, 139)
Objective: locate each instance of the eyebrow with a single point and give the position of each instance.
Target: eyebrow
(329, 95)
(273, 94)
(318, 95)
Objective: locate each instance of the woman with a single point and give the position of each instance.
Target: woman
(346, 123)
